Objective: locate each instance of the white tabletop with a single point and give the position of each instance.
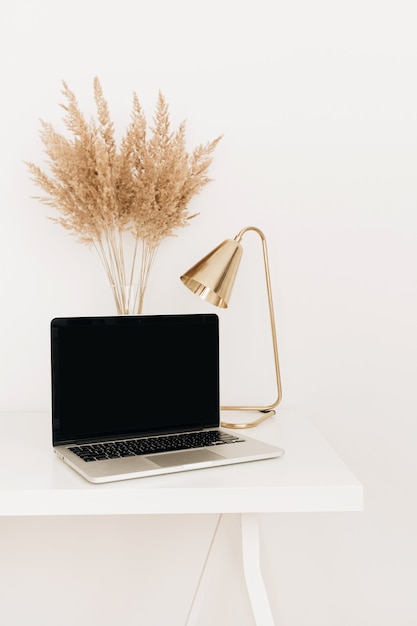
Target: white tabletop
(310, 477)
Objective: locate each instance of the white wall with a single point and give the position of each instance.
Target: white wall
(317, 102)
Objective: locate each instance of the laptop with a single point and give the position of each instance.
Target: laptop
(137, 396)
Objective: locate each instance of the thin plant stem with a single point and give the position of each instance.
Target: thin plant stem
(148, 257)
(128, 296)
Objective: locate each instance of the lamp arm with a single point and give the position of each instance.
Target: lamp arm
(269, 409)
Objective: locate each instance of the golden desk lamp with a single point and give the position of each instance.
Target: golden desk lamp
(212, 280)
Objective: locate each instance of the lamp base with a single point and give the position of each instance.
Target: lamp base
(265, 414)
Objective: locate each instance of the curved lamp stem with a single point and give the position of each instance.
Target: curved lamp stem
(267, 411)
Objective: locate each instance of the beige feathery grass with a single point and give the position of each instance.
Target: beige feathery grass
(106, 194)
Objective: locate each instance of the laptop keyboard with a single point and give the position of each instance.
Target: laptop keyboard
(152, 445)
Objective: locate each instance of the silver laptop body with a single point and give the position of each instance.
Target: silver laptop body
(123, 382)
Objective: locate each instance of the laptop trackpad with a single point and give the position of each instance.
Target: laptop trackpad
(184, 458)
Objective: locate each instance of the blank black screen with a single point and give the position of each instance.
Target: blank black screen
(130, 375)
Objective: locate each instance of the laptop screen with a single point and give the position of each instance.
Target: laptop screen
(132, 375)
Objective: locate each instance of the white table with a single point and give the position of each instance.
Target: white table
(310, 477)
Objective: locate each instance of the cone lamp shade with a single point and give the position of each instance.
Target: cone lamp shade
(213, 277)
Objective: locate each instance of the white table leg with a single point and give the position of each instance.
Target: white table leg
(252, 569)
(203, 581)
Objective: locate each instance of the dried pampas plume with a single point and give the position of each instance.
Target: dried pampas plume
(104, 192)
